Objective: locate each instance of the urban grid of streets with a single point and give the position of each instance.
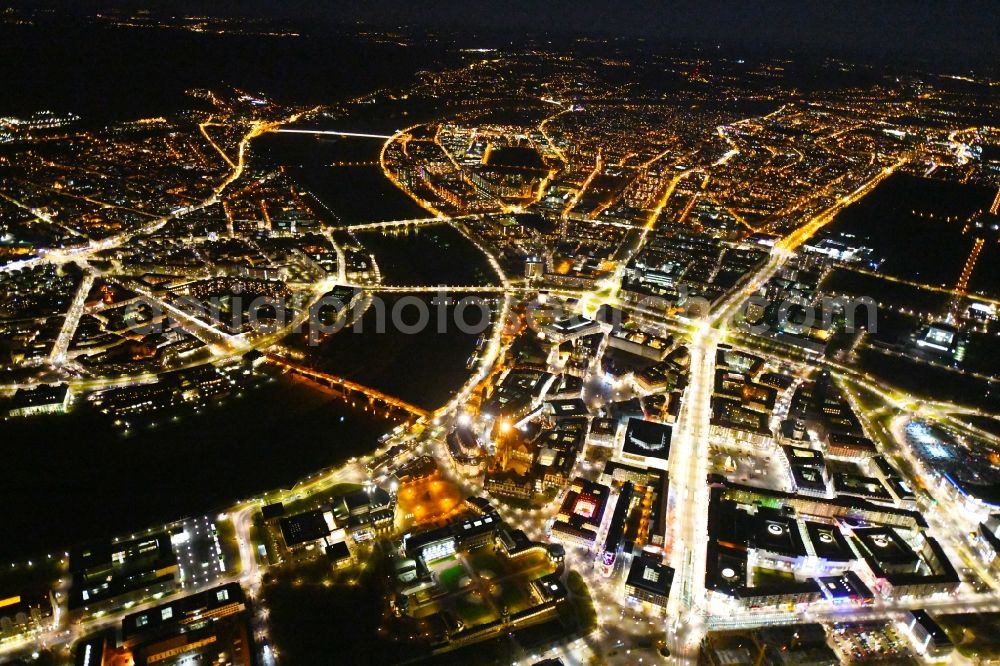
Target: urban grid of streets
(689, 614)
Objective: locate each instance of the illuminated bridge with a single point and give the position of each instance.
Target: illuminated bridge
(360, 135)
(469, 289)
(434, 288)
(346, 387)
(413, 222)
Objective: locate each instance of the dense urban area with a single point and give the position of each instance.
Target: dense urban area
(662, 358)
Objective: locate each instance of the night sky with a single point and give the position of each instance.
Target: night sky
(953, 31)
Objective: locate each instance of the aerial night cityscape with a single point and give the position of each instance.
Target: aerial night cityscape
(499, 332)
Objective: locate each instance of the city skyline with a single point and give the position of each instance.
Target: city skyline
(895, 28)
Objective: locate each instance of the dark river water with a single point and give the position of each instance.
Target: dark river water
(350, 194)
(75, 477)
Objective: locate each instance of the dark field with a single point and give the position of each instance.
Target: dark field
(906, 221)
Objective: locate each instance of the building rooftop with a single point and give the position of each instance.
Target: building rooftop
(886, 546)
(777, 533)
(647, 439)
(568, 408)
(304, 527)
(648, 573)
(828, 542)
(933, 629)
(181, 610)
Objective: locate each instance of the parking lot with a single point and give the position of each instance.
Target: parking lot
(200, 551)
(871, 642)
